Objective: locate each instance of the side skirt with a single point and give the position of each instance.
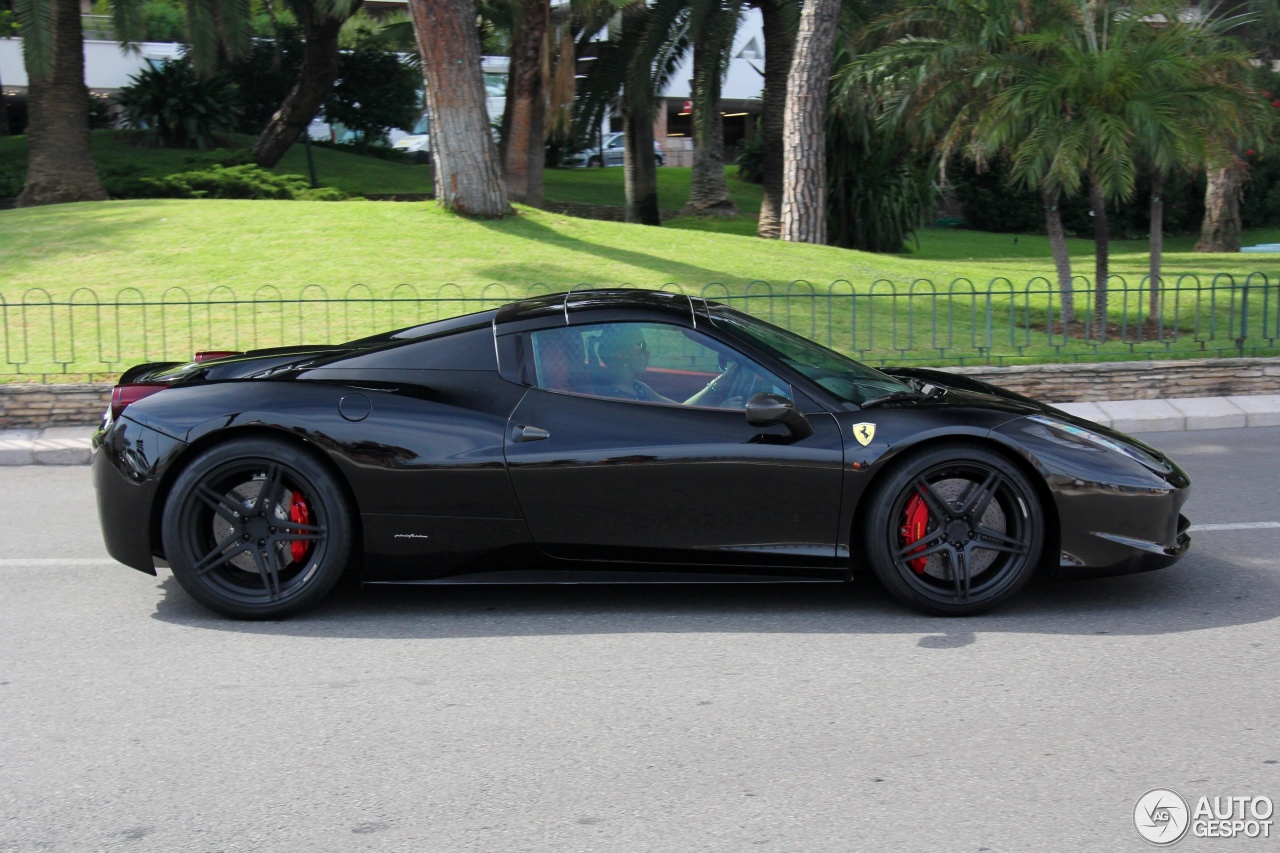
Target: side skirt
(556, 576)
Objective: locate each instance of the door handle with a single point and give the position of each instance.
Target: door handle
(528, 433)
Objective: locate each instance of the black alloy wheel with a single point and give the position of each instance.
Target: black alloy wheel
(954, 531)
(256, 529)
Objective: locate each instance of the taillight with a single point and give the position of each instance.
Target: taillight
(122, 396)
(210, 355)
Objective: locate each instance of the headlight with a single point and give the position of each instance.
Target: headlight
(1069, 434)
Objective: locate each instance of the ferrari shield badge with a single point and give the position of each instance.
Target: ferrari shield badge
(864, 433)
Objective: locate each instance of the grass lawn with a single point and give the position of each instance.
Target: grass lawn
(175, 251)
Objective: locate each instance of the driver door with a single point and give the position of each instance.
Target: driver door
(660, 481)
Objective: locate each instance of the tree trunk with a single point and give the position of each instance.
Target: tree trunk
(779, 45)
(1220, 231)
(1157, 241)
(4, 112)
(59, 159)
(315, 81)
(526, 148)
(467, 174)
(640, 171)
(708, 192)
(639, 167)
(1101, 236)
(1061, 257)
(804, 172)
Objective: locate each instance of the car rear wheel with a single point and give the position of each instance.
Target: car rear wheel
(257, 529)
(954, 531)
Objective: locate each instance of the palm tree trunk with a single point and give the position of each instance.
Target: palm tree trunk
(4, 112)
(1220, 231)
(315, 81)
(1156, 241)
(467, 174)
(59, 159)
(1061, 257)
(526, 149)
(804, 168)
(708, 192)
(1101, 236)
(779, 45)
(640, 170)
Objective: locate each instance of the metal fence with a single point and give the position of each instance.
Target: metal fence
(87, 335)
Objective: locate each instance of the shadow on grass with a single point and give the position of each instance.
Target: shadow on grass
(525, 228)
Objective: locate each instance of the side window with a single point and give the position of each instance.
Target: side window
(650, 363)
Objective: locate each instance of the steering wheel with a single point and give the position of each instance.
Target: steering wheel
(721, 390)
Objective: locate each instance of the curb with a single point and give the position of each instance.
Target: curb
(70, 445)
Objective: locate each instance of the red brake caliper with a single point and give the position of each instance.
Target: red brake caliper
(299, 513)
(913, 531)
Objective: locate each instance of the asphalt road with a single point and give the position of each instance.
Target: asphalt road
(808, 719)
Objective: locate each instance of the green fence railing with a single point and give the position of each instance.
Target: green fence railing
(93, 336)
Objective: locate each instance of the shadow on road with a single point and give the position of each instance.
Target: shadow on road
(1201, 593)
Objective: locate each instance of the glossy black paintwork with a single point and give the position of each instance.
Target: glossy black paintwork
(667, 483)
(420, 426)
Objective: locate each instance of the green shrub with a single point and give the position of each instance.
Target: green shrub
(243, 182)
(751, 159)
(375, 91)
(176, 107)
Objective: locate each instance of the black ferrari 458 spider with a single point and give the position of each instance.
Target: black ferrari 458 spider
(611, 436)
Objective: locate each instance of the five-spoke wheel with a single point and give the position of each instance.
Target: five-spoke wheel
(955, 530)
(256, 529)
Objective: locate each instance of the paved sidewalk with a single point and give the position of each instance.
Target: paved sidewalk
(70, 445)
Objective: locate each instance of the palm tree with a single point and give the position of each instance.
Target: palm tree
(712, 25)
(779, 25)
(59, 162)
(638, 59)
(937, 70)
(524, 143)
(804, 184)
(1090, 95)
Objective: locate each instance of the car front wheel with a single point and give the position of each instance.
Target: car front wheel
(257, 529)
(954, 531)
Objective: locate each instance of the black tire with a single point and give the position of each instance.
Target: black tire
(981, 512)
(593, 162)
(257, 529)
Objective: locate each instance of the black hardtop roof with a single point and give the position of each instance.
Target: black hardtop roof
(565, 304)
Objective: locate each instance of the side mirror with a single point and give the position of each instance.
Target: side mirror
(765, 410)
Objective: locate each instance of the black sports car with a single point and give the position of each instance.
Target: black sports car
(611, 436)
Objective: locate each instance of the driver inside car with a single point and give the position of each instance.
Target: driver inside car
(626, 354)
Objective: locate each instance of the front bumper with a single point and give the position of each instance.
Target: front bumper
(1125, 555)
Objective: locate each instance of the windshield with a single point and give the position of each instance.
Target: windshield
(840, 375)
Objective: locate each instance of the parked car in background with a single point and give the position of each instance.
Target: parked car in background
(418, 143)
(610, 153)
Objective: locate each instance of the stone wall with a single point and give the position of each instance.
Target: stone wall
(1135, 380)
(36, 406)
